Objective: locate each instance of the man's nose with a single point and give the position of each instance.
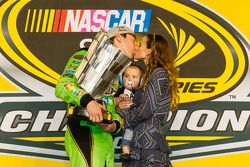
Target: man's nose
(136, 47)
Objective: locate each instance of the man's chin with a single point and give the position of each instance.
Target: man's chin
(136, 57)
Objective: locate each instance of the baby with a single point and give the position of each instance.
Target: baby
(131, 80)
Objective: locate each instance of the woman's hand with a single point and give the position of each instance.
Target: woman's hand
(125, 104)
(107, 127)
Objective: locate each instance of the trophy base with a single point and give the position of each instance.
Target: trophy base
(80, 111)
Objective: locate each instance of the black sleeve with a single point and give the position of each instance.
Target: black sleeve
(86, 99)
(119, 91)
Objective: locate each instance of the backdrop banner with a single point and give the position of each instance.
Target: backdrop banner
(209, 39)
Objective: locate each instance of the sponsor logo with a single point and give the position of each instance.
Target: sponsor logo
(51, 20)
(215, 60)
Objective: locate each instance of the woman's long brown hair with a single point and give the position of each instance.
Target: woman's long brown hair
(162, 56)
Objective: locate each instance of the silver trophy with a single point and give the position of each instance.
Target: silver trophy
(101, 66)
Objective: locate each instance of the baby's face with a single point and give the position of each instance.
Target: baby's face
(131, 78)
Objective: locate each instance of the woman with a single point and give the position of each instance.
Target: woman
(154, 101)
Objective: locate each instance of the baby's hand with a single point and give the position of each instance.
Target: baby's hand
(121, 97)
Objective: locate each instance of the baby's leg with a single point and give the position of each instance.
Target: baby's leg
(126, 141)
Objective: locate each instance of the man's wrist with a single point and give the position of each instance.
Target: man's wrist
(86, 99)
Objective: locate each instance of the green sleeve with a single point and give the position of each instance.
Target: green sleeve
(67, 87)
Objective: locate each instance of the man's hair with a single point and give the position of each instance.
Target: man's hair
(112, 32)
(112, 39)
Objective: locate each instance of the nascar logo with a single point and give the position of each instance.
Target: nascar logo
(51, 20)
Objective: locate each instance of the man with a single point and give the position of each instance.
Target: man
(89, 143)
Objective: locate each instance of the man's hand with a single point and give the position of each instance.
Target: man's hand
(107, 127)
(94, 110)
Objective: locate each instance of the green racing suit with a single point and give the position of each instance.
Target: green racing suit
(86, 144)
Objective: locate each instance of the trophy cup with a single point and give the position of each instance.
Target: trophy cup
(100, 68)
